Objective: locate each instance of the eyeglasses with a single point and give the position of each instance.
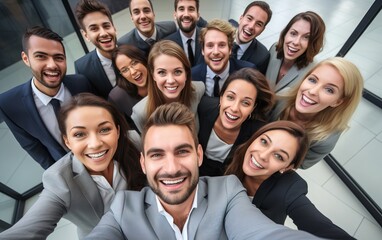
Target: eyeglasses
(126, 70)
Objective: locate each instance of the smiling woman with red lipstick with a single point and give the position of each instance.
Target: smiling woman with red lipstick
(225, 122)
(130, 67)
(323, 104)
(81, 185)
(299, 42)
(265, 163)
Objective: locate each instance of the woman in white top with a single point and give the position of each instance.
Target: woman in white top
(82, 184)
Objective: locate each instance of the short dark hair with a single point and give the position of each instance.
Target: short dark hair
(84, 7)
(134, 53)
(196, 1)
(151, 5)
(42, 32)
(263, 5)
(126, 155)
(174, 113)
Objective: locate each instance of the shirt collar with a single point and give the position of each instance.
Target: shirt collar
(45, 99)
(223, 75)
(154, 36)
(184, 38)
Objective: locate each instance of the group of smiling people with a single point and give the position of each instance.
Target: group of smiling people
(261, 127)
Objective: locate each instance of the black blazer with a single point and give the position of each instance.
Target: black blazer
(198, 57)
(257, 54)
(19, 111)
(208, 112)
(284, 195)
(163, 28)
(199, 72)
(90, 66)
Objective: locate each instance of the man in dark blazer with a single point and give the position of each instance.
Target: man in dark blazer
(146, 31)
(187, 36)
(178, 204)
(251, 24)
(29, 109)
(97, 27)
(216, 42)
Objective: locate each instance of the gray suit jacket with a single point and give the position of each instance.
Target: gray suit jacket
(163, 28)
(223, 212)
(69, 192)
(292, 77)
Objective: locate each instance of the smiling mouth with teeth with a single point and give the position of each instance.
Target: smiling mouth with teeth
(173, 182)
(96, 155)
(230, 116)
(253, 160)
(171, 88)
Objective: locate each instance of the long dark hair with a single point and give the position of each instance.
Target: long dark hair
(236, 166)
(126, 154)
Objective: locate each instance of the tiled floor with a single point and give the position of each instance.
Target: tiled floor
(357, 149)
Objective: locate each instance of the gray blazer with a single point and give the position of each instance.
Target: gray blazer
(139, 110)
(223, 212)
(69, 192)
(292, 77)
(317, 149)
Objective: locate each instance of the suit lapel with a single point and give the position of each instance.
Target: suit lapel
(157, 221)
(97, 66)
(249, 52)
(287, 79)
(199, 212)
(264, 189)
(88, 187)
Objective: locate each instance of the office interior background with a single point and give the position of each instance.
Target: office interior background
(345, 186)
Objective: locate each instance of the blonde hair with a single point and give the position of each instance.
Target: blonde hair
(221, 26)
(330, 119)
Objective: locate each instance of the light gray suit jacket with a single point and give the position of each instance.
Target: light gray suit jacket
(292, 77)
(317, 149)
(223, 212)
(69, 192)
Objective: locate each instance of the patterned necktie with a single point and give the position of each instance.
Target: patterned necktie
(216, 86)
(190, 52)
(235, 48)
(56, 106)
(150, 41)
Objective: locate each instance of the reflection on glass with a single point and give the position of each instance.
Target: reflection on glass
(7, 206)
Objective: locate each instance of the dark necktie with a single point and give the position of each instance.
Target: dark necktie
(150, 41)
(235, 48)
(56, 106)
(190, 52)
(216, 86)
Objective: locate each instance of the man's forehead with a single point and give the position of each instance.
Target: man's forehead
(167, 136)
(39, 44)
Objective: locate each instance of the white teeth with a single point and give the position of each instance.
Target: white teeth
(137, 77)
(171, 88)
(232, 117)
(54, 74)
(105, 40)
(256, 163)
(247, 32)
(216, 59)
(307, 100)
(292, 49)
(96, 155)
(172, 182)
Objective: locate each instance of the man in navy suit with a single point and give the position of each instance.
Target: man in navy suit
(216, 42)
(146, 31)
(97, 27)
(187, 15)
(29, 109)
(251, 24)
